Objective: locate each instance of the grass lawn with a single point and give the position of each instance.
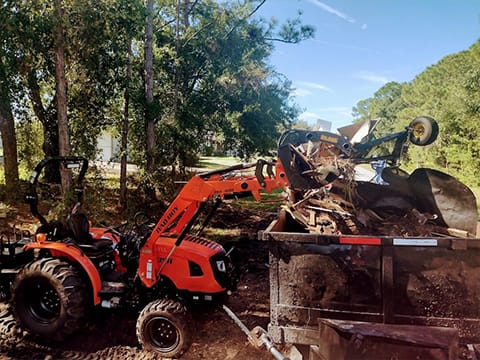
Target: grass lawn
(216, 162)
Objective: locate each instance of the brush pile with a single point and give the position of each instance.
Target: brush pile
(335, 202)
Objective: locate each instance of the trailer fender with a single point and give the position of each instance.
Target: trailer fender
(77, 256)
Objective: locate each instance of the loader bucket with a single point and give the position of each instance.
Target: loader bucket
(434, 192)
(441, 194)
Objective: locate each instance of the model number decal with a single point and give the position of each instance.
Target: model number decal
(162, 259)
(329, 139)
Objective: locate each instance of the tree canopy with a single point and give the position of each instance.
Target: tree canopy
(211, 75)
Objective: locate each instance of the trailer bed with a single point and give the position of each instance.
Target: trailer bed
(429, 282)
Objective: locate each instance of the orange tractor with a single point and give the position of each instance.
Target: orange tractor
(157, 268)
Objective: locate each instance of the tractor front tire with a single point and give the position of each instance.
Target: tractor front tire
(49, 299)
(424, 131)
(163, 327)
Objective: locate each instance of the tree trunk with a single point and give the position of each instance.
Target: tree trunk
(7, 127)
(124, 132)
(149, 121)
(9, 140)
(61, 92)
(48, 118)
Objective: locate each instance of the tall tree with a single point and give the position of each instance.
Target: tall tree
(7, 128)
(447, 91)
(212, 54)
(124, 130)
(149, 115)
(8, 87)
(61, 92)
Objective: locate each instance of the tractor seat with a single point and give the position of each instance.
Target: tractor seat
(78, 224)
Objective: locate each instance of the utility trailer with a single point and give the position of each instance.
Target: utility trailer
(372, 297)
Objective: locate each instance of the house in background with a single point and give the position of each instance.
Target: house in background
(108, 147)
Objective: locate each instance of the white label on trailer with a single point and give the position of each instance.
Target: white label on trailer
(415, 242)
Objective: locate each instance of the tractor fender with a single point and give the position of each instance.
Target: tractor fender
(75, 255)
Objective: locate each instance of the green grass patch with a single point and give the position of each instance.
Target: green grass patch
(217, 162)
(269, 202)
(211, 232)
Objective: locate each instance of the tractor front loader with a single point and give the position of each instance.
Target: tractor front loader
(158, 268)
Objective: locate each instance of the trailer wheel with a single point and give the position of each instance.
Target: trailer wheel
(49, 299)
(163, 327)
(424, 131)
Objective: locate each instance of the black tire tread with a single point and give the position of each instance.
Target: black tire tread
(175, 310)
(72, 292)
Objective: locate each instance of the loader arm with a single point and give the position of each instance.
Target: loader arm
(183, 212)
(224, 183)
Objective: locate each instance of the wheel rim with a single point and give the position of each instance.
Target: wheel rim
(162, 333)
(44, 304)
(418, 131)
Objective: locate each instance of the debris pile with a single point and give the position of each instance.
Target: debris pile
(327, 198)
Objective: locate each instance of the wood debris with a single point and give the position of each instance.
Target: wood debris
(342, 205)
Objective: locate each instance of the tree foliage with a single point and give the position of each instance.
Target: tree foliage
(447, 91)
(211, 75)
(95, 46)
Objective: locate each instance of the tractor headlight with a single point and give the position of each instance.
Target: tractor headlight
(221, 266)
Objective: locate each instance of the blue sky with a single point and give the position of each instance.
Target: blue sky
(360, 45)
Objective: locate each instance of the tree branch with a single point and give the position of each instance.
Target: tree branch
(283, 40)
(256, 9)
(197, 32)
(244, 18)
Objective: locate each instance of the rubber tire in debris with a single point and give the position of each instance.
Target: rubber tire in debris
(163, 327)
(49, 299)
(424, 131)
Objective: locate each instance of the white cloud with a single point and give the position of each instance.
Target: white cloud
(336, 12)
(372, 77)
(303, 88)
(313, 85)
(332, 10)
(300, 92)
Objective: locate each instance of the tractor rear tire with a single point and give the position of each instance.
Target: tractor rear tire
(424, 131)
(49, 299)
(163, 327)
